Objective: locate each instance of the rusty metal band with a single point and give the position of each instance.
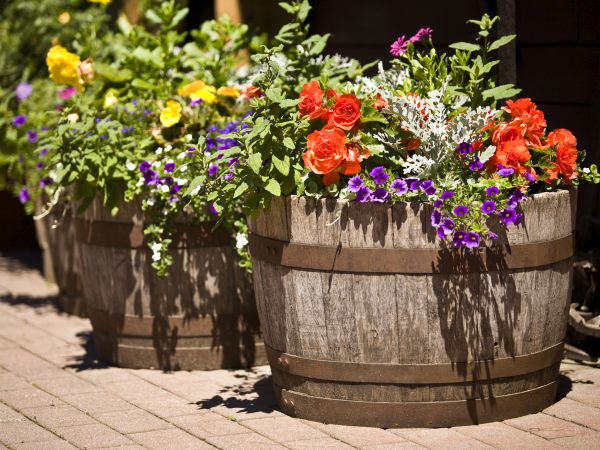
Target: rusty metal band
(378, 373)
(415, 414)
(411, 261)
(196, 326)
(130, 235)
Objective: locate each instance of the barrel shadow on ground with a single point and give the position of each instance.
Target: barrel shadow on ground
(247, 397)
(565, 384)
(89, 360)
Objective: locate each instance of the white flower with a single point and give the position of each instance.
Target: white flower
(156, 248)
(241, 241)
(159, 151)
(168, 148)
(187, 137)
(164, 188)
(73, 117)
(183, 168)
(130, 165)
(182, 155)
(181, 181)
(586, 170)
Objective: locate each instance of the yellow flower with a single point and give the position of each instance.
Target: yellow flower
(63, 67)
(227, 91)
(170, 115)
(104, 2)
(110, 98)
(64, 18)
(199, 90)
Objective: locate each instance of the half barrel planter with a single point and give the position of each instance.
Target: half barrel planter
(56, 237)
(368, 321)
(201, 316)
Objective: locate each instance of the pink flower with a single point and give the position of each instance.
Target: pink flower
(399, 46)
(67, 93)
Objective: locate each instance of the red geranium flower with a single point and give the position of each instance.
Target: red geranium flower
(512, 154)
(325, 150)
(525, 115)
(312, 100)
(566, 154)
(346, 112)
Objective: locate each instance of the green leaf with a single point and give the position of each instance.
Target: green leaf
(304, 10)
(242, 187)
(501, 42)
(501, 92)
(142, 84)
(194, 184)
(288, 102)
(465, 46)
(255, 162)
(179, 16)
(289, 143)
(282, 165)
(273, 187)
(274, 94)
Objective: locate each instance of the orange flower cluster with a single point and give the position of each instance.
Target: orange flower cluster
(526, 130)
(328, 151)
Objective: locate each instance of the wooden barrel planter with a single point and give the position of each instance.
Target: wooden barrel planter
(368, 321)
(56, 237)
(201, 316)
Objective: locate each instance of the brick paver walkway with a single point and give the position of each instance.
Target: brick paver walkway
(55, 395)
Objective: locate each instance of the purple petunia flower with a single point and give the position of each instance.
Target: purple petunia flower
(436, 218)
(447, 226)
(399, 187)
(24, 196)
(39, 166)
(516, 197)
(472, 239)
(438, 204)
(399, 46)
(175, 188)
(379, 176)
(475, 165)
(460, 211)
(488, 207)
(212, 209)
(380, 195)
(491, 235)
(43, 152)
(363, 195)
(413, 184)
(428, 187)
(509, 216)
(169, 167)
(464, 148)
(504, 171)
(459, 238)
(19, 121)
(212, 170)
(446, 195)
(145, 166)
(355, 183)
(233, 162)
(32, 136)
(23, 91)
(492, 191)
(530, 177)
(47, 181)
(228, 176)
(151, 178)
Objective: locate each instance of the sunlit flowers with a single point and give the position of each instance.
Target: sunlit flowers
(199, 90)
(102, 2)
(66, 67)
(171, 114)
(227, 91)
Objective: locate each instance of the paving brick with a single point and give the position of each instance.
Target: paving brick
(164, 379)
(174, 438)
(194, 392)
(587, 442)
(23, 431)
(65, 385)
(576, 412)
(53, 417)
(502, 436)
(166, 406)
(10, 382)
(357, 436)
(132, 421)
(134, 389)
(8, 414)
(248, 441)
(283, 429)
(585, 393)
(21, 362)
(97, 402)
(28, 398)
(548, 427)
(102, 375)
(5, 343)
(92, 436)
(441, 438)
(404, 445)
(208, 424)
(54, 444)
(326, 443)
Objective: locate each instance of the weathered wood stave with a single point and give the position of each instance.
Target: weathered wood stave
(201, 316)
(406, 318)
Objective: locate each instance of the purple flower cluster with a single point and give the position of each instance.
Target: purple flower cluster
(381, 194)
(23, 91)
(218, 140)
(399, 47)
(24, 196)
(152, 178)
(19, 121)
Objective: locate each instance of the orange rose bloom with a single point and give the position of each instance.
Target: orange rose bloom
(325, 150)
(351, 166)
(512, 154)
(506, 132)
(525, 114)
(346, 112)
(566, 154)
(312, 100)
